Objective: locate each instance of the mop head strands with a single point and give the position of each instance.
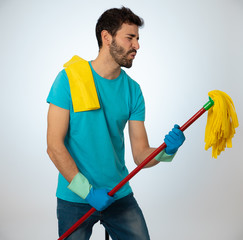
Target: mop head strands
(221, 123)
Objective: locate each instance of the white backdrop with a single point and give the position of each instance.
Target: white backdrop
(187, 49)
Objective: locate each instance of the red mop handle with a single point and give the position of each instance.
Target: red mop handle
(153, 154)
(130, 175)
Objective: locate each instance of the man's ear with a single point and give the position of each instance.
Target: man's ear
(106, 38)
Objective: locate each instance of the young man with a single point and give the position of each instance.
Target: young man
(87, 147)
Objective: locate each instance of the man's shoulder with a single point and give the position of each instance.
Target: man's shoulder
(130, 80)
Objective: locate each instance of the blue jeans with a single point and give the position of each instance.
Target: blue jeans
(123, 220)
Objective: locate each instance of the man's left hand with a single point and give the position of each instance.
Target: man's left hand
(174, 140)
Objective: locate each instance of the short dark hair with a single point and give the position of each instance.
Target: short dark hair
(112, 20)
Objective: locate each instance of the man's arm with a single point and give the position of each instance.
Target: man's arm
(139, 143)
(141, 149)
(58, 122)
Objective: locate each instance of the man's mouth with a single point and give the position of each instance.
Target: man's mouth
(132, 53)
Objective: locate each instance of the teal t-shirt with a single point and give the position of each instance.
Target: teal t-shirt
(95, 138)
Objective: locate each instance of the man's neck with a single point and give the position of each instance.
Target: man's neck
(106, 67)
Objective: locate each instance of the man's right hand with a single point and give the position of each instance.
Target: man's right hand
(99, 199)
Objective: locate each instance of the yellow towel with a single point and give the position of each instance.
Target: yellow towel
(82, 86)
(221, 123)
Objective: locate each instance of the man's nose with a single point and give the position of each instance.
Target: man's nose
(135, 45)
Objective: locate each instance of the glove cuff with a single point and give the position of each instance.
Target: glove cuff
(164, 157)
(80, 185)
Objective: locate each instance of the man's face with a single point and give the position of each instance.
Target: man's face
(124, 45)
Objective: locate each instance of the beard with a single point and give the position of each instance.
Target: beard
(120, 55)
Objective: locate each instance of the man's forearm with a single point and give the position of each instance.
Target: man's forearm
(63, 161)
(143, 155)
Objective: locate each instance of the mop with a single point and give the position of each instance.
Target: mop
(220, 129)
(221, 123)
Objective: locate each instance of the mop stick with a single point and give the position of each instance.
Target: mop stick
(206, 107)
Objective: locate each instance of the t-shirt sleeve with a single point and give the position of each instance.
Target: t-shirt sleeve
(138, 105)
(59, 94)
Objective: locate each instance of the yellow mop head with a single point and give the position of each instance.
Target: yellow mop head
(221, 123)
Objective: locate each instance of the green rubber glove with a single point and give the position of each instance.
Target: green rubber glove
(80, 185)
(97, 198)
(164, 157)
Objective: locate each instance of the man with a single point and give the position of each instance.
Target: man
(87, 147)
